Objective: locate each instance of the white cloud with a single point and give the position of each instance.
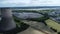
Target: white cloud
(30, 2)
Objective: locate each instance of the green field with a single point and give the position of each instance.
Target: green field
(53, 24)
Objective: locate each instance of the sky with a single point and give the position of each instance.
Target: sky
(22, 3)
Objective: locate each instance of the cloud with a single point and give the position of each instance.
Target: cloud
(29, 3)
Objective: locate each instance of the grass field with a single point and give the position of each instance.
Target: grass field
(53, 24)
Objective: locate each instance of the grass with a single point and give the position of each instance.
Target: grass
(53, 24)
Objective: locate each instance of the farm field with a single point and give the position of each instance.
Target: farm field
(46, 17)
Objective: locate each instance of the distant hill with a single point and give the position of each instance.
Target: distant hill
(32, 7)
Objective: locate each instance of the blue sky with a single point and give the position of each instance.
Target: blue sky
(19, 3)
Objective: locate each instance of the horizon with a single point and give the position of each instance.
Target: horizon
(34, 7)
